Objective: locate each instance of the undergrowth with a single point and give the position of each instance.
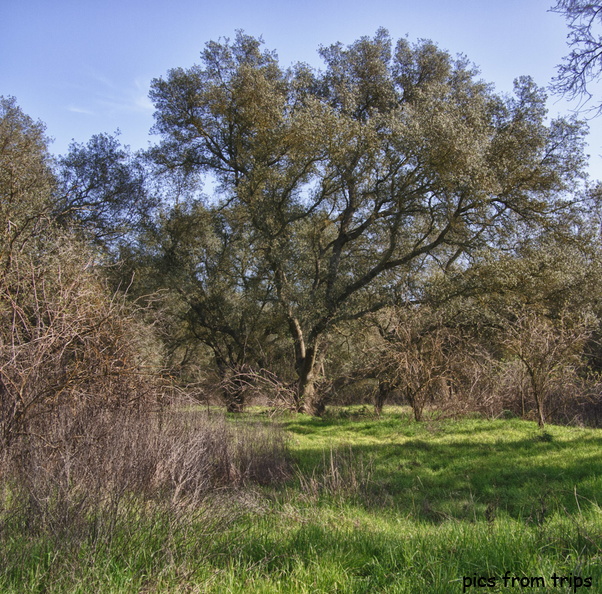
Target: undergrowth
(346, 503)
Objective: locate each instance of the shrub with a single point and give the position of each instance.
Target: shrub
(64, 339)
(94, 468)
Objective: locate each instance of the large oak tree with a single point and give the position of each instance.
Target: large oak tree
(349, 181)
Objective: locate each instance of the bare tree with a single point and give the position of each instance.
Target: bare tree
(582, 67)
(550, 353)
(417, 356)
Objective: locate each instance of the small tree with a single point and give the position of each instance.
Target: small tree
(550, 351)
(203, 262)
(417, 356)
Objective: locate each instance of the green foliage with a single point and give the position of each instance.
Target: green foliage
(102, 190)
(26, 179)
(342, 188)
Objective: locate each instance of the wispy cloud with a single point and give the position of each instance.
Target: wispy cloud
(142, 99)
(132, 98)
(104, 97)
(82, 110)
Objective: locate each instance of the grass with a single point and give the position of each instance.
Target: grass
(459, 469)
(373, 505)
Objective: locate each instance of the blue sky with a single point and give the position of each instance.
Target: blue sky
(85, 66)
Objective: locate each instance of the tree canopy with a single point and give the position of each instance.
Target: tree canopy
(102, 189)
(337, 190)
(26, 179)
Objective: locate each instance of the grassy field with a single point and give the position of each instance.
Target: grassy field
(371, 505)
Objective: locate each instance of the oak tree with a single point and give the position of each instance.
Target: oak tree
(102, 190)
(350, 181)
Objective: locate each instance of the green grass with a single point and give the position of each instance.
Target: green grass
(374, 505)
(458, 469)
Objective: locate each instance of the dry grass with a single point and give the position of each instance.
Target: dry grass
(91, 470)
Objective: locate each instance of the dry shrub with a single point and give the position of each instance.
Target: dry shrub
(65, 340)
(94, 467)
(480, 385)
(570, 399)
(551, 355)
(536, 370)
(587, 409)
(418, 355)
(88, 440)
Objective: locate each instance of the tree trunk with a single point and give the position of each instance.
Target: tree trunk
(541, 417)
(384, 387)
(310, 401)
(538, 389)
(416, 402)
(305, 365)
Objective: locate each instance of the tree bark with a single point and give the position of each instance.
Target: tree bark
(384, 387)
(539, 398)
(309, 400)
(313, 402)
(306, 363)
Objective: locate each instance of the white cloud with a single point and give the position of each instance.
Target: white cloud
(132, 98)
(82, 110)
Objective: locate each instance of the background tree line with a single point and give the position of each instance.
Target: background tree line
(388, 221)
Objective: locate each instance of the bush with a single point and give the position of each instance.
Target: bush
(94, 468)
(64, 339)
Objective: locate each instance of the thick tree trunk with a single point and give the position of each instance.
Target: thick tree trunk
(306, 364)
(313, 403)
(416, 400)
(310, 401)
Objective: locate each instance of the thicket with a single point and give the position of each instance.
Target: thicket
(93, 433)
